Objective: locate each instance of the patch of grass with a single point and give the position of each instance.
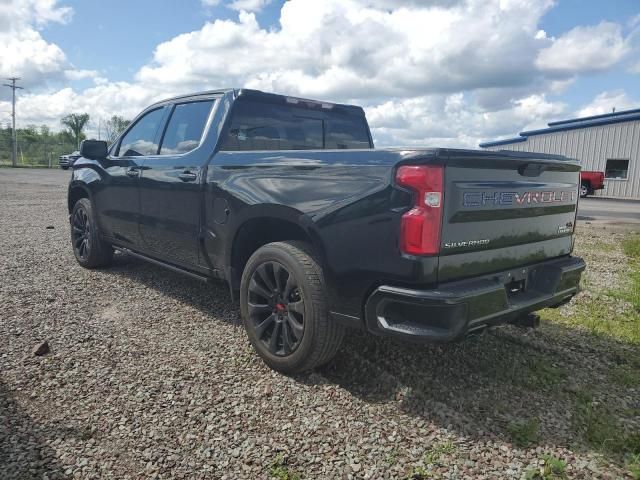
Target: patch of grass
(599, 319)
(599, 428)
(279, 469)
(522, 368)
(392, 457)
(435, 453)
(626, 375)
(631, 246)
(543, 373)
(599, 315)
(524, 433)
(553, 469)
(419, 473)
(633, 465)
(584, 395)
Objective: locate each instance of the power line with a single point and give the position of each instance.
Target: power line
(14, 87)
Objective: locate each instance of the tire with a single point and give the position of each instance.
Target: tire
(585, 190)
(65, 168)
(284, 311)
(88, 247)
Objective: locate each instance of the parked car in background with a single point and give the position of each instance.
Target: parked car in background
(314, 230)
(66, 161)
(590, 182)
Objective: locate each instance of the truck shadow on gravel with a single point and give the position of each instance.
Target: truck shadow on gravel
(24, 450)
(554, 385)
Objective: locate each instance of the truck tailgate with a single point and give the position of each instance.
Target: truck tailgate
(504, 210)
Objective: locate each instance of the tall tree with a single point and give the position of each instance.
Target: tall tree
(76, 123)
(114, 126)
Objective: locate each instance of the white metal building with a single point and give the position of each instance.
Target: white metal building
(607, 143)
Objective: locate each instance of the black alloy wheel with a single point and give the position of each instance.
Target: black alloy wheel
(89, 248)
(283, 303)
(81, 233)
(276, 308)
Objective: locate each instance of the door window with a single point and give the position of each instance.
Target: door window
(185, 127)
(141, 138)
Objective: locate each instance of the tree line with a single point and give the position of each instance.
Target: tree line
(73, 132)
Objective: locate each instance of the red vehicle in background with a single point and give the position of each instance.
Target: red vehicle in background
(590, 182)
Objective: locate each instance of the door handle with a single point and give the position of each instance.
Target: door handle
(133, 173)
(187, 176)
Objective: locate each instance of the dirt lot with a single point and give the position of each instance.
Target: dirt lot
(151, 376)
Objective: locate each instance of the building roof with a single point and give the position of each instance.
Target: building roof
(571, 124)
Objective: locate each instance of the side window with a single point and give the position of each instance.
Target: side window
(140, 139)
(185, 127)
(257, 125)
(345, 133)
(263, 126)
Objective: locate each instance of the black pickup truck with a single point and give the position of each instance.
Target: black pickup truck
(315, 231)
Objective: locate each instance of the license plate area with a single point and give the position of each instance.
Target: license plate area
(515, 286)
(515, 281)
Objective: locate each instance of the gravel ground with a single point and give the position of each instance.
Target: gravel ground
(150, 375)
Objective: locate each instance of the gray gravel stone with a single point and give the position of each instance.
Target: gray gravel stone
(41, 349)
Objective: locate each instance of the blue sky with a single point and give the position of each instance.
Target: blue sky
(571, 13)
(107, 36)
(447, 72)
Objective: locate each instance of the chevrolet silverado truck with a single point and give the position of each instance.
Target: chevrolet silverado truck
(315, 231)
(590, 182)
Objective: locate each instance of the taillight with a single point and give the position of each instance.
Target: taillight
(420, 227)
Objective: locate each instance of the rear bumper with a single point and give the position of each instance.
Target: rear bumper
(456, 308)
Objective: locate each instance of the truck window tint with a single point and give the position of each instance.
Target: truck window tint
(345, 133)
(140, 139)
(266, 126)
(185, 127)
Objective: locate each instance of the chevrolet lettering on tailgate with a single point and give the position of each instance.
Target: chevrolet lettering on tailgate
(481, 199)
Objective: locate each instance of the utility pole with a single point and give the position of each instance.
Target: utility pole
(13, 87)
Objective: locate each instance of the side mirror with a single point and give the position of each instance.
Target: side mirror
(94, 149)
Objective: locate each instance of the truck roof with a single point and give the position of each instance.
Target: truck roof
(265, 96)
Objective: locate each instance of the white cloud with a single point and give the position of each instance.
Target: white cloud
(455, 120)
(559, 86)
(100, 101)
(16, 14)
(248, 5)
(605, 102)
(25, 53)
(585, 49)
(80, 74)
(344, 49)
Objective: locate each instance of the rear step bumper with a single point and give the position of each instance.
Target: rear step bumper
(457, 308)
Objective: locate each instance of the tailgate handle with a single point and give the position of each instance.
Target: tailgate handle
(531, 169)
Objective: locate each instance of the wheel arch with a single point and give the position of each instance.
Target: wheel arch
(267, 224)
(77, 190)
